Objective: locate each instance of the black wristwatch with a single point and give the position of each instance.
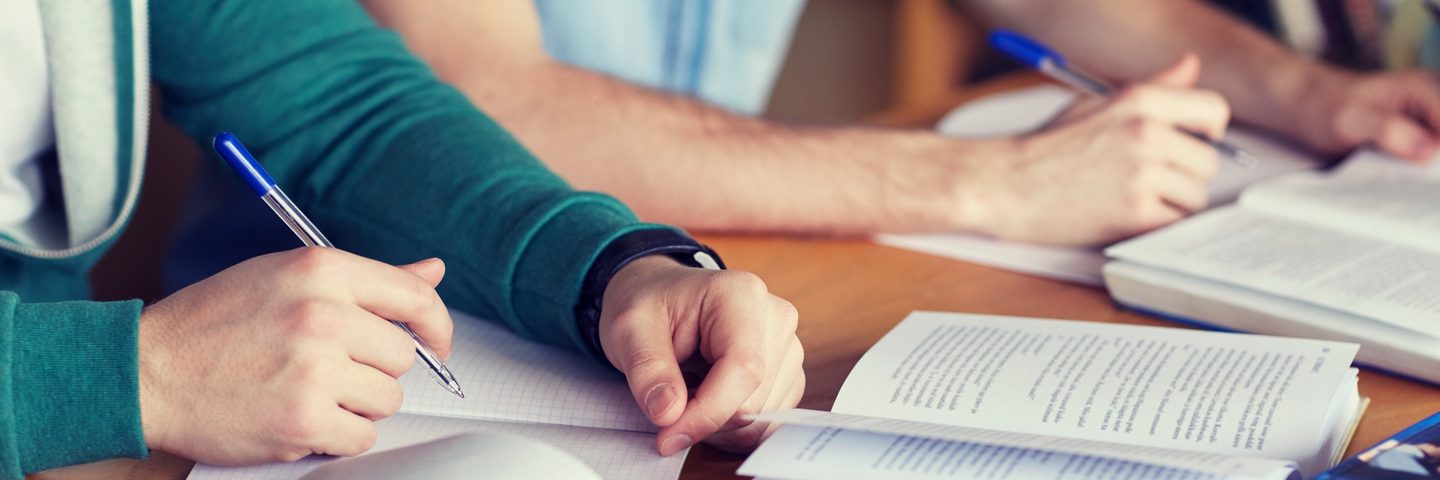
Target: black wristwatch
(619, 253)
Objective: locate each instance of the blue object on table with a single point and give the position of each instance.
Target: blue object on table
(260, 182)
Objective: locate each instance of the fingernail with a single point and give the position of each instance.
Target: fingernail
(659, 399)
(675, 443)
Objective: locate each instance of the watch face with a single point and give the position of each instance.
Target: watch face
(707, 261)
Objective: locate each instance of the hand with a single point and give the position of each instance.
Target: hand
(1397, 112)
(657, 314)
(1109, 169)
(284, 355)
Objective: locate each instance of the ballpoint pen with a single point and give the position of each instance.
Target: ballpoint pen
(1050, 63)
(260, 182)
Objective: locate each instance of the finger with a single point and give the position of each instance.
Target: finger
(368, 392)
(1191, 156)
(643, 350)
(376, 343)
(738, 348)
(1201, 111)
(1184, 73)
(789, 388)
(430, 269)
(347, 434)
(750, 436)
(1161, 214)
(397, 294)
(1425, 89)
(1404, 137)
(1179, 190)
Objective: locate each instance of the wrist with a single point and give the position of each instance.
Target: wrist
(151, 360)
(644, 246)
(933, 187)
(1289, 93)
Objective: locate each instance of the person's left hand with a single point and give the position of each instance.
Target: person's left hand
(1398, 112)
(657, 313)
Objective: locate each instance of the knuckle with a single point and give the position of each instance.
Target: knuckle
(364, 440)
(648, 363)
(746, 282)
(310, 318)
(752, 369)
(310, 261)
(392, 398)
(789, 317)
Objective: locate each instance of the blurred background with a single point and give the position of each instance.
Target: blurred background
(900, 63)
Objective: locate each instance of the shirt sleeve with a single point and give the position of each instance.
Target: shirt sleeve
(387, 160)
(69, 384)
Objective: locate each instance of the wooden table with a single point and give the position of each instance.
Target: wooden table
(850, 292)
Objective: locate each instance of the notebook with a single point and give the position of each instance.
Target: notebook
(517, 387)
(1350, 255)
(947, 395)
(1027, 110)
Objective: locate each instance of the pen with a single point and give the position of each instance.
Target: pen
(259, 180)
(1051, 64)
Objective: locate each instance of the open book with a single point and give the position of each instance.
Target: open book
(974, 396)
(1352, 255)
(1026, 111)
(518, 387)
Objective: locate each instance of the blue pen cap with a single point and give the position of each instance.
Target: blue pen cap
(243, 163)
(1023, 48)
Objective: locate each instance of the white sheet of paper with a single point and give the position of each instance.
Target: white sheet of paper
(1213, 392)
(1375, 278)
(1027, 110)
(515, 386)
(611, 453)
(1157, 458)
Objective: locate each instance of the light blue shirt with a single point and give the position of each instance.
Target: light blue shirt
(725, 52)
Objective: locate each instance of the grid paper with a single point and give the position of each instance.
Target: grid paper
(611, 453)
(512, 385)
(508, 378)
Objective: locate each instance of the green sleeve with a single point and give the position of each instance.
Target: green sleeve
(387, 160)
(69, 384)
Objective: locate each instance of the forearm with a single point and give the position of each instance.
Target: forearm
(1129, 39)
(676, 160)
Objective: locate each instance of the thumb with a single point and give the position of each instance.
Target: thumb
(430, 269)
(1403, 137)
(643, 351)
(1184, 73)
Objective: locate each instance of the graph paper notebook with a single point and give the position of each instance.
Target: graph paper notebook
(974, 396)
(518, 387)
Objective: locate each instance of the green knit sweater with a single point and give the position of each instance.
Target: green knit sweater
(388, 161)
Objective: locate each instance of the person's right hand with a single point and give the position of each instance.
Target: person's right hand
(284, 355)
(1108, 170)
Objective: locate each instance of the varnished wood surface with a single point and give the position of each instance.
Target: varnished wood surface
(850, 292)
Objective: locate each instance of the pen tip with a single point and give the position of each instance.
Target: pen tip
(1245, 159)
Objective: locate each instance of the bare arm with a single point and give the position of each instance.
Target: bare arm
(1117, 171)
(1268, 85)
(673, 159)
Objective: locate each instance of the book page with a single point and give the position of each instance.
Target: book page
(506, 377)
(611, 453)
(1362, 275)
(1029, 109)
(1176, 459)
(798, 452)
(1231, 394)
(1372, 194)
